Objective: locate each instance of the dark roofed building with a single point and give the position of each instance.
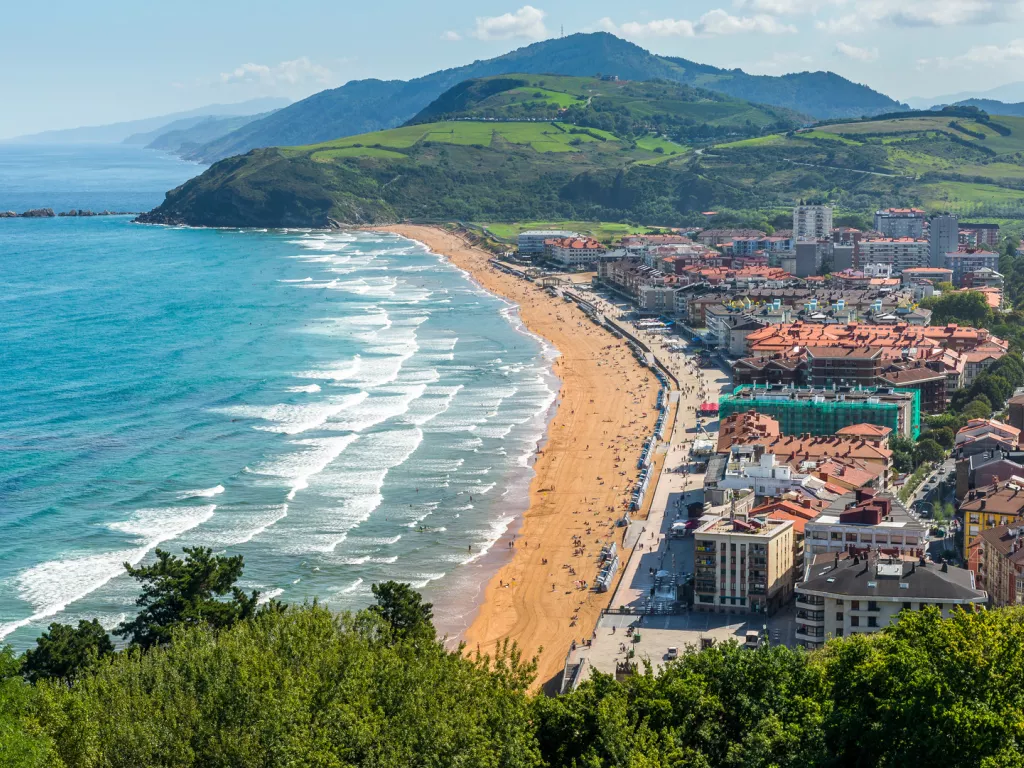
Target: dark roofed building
(843, 595)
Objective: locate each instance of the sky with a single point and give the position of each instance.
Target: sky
(70, 64)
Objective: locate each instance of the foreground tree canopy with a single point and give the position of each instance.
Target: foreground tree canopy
(302, 686)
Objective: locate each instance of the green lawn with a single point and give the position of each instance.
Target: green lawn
(326, 155)
(759, 141)
(543, 137)
(651, 144)
(602, 230)
(948, 194)
(562, 100)
(827, 135)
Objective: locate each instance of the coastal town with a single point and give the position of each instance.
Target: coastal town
(813, 480)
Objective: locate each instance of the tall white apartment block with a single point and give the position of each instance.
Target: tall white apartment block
(812, 222)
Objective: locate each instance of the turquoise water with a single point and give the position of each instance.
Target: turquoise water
(339, 408)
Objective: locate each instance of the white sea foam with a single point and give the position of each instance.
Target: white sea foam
(354, 483)
(292, 419)
(352, 587)
(310, 388)
(202, 493)
(299, 466)
(266, 597)
(53, 585)
(300, 280)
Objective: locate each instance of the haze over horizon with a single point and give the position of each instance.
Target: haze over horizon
(71, 62)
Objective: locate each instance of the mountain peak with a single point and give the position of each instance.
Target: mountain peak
(362, 106)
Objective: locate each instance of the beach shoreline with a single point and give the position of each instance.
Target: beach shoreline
(583, 471)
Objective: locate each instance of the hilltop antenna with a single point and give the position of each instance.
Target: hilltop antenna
(561, 30)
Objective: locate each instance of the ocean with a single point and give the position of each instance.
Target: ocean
(339, 408)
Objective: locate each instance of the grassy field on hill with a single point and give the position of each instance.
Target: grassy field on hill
(538, 147)
(974, 167)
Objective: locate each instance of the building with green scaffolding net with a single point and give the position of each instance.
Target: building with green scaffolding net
(802, 410)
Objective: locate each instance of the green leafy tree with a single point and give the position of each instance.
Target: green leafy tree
(64, 652)
(928, 451)
(944, 436)
(978, 408)
(402, 608)
(902, 453)
(23, 742)
(964, 307)
(303, 687)
(189, 591)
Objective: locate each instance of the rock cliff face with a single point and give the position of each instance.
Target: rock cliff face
(8, 215)
(47, 213)
(39, 213)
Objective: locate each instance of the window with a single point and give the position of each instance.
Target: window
(839, 615)
(855, 605)
(872, 605)
(908, 607)
(839, 602)
(839, 632)
(855, 621)
(872, 621)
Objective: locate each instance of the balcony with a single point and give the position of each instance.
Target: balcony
(810, 634)
(809, 600)
(811, 617)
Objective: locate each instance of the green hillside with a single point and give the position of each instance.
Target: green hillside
(518, 147)
(535, 147)
(974, 166)
(628, 108)
(361, 106)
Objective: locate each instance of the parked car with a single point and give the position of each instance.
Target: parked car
(672, 653)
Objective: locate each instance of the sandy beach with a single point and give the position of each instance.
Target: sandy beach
(543, 597)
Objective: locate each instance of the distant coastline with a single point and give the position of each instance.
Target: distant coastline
(48, 213)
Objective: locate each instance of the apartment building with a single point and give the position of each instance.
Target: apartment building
(933, 275)
(743, 565)
(899, 253)
(1000, 569)
(531, 242)
(978, 235)
(842, 595)
(943, 238)
(998, 504)
(900, 222)
(864, 520)
(575, 252)
(812, 222)
(823, 412)
(962, 264)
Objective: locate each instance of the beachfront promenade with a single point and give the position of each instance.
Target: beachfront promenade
(652, 548)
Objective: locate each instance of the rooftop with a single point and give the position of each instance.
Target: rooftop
(865, 430)
(724, 525)
(888, 579)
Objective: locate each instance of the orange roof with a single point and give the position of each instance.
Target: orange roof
(785, 336)
(807, 509)
(779, 514)
(865, 430)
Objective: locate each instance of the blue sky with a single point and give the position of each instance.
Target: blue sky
(67, 64)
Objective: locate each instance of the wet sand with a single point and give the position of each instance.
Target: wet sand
(583, 476)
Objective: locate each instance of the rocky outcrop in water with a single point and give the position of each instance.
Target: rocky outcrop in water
(47, 213)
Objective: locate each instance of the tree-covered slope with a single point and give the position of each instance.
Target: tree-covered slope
(824, 95)
(369, 105)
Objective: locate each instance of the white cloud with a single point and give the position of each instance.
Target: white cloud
(451, 35)
(295, 72)
(659, 28)
(785, 7)
(718, 22)
(712, 24)
(979, 56)
(855, 53)
(527, 22)
(921, 13)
